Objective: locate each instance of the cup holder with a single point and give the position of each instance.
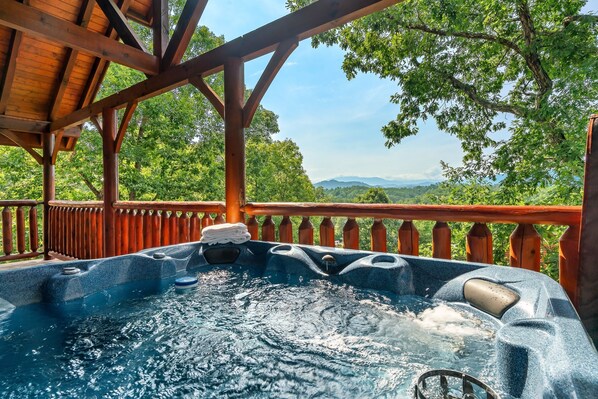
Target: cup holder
(282, 248)
(384, 260)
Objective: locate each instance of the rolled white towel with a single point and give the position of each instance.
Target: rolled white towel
(235, 233)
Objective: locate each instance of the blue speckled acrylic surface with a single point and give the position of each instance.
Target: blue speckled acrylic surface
(542, 348)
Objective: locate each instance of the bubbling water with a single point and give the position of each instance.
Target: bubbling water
(238, 336)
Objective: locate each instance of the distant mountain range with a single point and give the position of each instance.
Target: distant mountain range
(350, 181)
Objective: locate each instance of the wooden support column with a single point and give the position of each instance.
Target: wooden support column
(49, 187)
(110, 178)
(587, 288)
(234, 139)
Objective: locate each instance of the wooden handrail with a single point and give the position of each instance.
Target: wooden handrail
(198, 206)
(77, 204)
(4, 203)
(556, 215)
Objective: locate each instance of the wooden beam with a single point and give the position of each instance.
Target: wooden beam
(58, 139)
(308, 21)
(70, 59)
(97, 123)
(14, 137)
(122, 129)
(234, 139)
(183, 32)
(10, 67)
(209, 93)
(23, 125)
(278, 59)
(160, 27)
(118, 20)
(100, 66)
(37, 23)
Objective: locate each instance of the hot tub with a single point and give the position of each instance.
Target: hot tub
(271, 320)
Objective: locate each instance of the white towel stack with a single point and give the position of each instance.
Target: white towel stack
(235, 233)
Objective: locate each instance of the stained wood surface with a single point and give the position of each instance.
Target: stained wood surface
(557, 215)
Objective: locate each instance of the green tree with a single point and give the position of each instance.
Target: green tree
(480, 67)
(374, 195)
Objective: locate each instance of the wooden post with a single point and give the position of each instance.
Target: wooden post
(268, 229)
(588, 272)
(110, 129)
(378, 236)
(351, 234)
(441, 241)
(327, 233)
(306, 231)
(524, 247)
(253, 227)
(479, 244)
(569, 263)
(285, 230)
(234, 139)
(49, 187)
(408, 241)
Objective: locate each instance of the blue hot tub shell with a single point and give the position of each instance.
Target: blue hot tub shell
(543, 350)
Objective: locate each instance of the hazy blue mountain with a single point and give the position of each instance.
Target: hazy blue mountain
(348, 181)
(330, 184)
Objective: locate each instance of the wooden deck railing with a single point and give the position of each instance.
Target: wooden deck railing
(20, 224)
(525, 241)
(76, 228)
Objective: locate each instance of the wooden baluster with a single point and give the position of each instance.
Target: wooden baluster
(253, 227)
(58, 229)
(174, 231)
(87, 233)
(285, 230)
(268, 229)
(51, 226)
(93, 234)
(7, 230)
(219, 219)
(524, 248)
(183, 228)
(100, 232)
(63, 230)
(378, 236)
(156, 229)
(117, 231)
(73, 232)
(165, 227)
(479, 244)
(67, 232)
(124, 233)
(306, 232)
(351, 234)
(408, 239)
(194, 227)
(441, 241)
(569, 262)
(147, 229)
(139, 219)
(20, 230)
(55, 229)
(33, 234)
(327, 232)
(132, 248)
(206, 221)
(79, 233)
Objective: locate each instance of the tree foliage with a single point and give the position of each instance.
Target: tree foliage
(483, 67)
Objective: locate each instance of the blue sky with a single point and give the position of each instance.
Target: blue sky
(335, 122)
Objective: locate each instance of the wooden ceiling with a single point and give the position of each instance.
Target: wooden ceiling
(44, 77)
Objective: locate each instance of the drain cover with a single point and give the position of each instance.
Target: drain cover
(450, 384)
